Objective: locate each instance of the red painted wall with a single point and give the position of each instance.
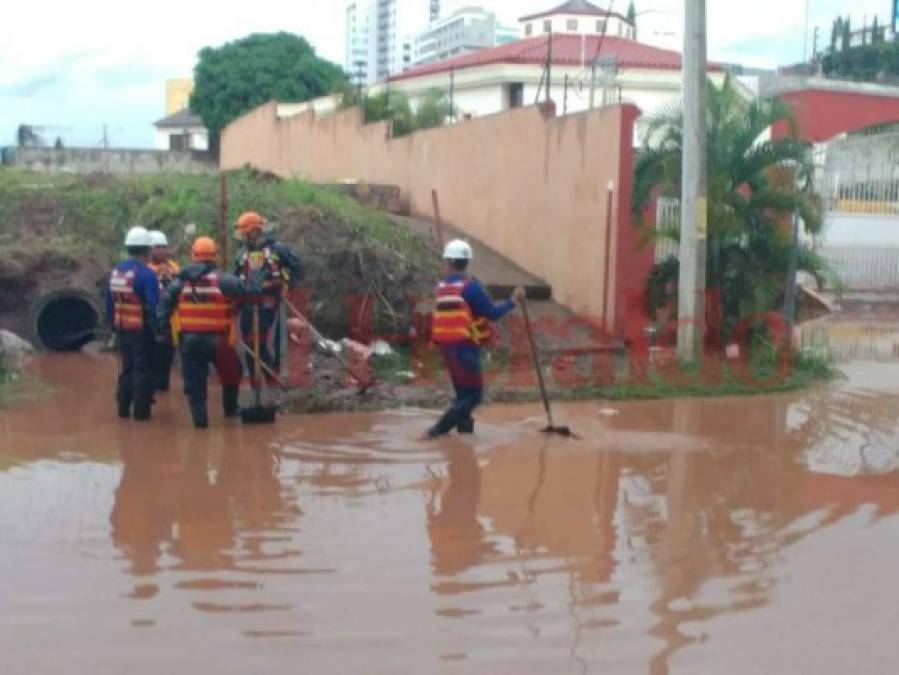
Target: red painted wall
(821, 115)
(635, 260)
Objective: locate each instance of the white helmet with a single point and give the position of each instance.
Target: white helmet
(159, 238)
(138, 237)
(457, 250)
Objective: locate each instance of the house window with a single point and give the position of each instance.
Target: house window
(548, 26)
(516, 94)
(571, 25)
(600, 26)
(179, 142)
(529, 29)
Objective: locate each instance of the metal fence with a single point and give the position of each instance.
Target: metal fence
(667, 219)
(864, 267)
(877, 193)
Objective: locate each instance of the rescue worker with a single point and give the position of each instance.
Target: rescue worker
(202, 299)
(263, 262)
(166, 270)
(460, 328)
(131, 299)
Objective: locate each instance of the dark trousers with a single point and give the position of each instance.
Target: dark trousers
(163, 357)
(135, 385)
(268, 318)
(464, 365)
(198, 352)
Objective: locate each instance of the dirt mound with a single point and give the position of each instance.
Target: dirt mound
(358, 282)
(66, 231)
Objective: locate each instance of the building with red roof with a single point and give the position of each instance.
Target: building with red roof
(603, 68)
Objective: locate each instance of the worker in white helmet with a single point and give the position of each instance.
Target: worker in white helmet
(166, 270)
(131, 298)
(460, 327)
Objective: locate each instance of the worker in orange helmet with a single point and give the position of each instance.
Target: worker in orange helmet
(203, 299)
(166, 269)
(267, 264)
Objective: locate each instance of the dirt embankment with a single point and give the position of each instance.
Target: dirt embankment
(66, 231)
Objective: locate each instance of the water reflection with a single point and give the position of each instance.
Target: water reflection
(457, 537)
(625, 551)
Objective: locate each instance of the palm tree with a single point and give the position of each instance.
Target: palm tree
(756, 183)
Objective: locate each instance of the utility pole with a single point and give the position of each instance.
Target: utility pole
(694, 197)
(805, 32)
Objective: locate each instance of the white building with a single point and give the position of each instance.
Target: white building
(380, 35)
(465, 30)
(578, 17)
(358, 60)
(492, 80)
(181, 131)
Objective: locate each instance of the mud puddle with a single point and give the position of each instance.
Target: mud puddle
(753, 535)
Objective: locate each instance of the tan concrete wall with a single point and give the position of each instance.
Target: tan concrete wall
(534, 189)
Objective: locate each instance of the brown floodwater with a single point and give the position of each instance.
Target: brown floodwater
(750, 535)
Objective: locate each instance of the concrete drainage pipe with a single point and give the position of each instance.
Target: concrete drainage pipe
(65, 320)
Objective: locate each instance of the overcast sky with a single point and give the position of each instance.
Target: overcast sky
(73, 67)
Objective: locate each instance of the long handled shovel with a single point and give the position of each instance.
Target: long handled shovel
(258, 413)
(365, 382)
(551, 428)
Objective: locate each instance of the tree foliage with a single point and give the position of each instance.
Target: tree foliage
(755, 185)
(432, 111)
(241, 75)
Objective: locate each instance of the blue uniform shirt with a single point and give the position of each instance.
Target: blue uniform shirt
(480, 303)
(146, 287)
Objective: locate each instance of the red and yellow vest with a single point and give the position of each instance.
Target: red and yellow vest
(453, 322)
(165, 272)
(203, 308)
(129, 310)
(267, 260)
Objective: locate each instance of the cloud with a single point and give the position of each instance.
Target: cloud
(31, 86)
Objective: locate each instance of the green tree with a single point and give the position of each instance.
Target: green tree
(632, 13)
(241, 75)
(433, 110)
(755, 185)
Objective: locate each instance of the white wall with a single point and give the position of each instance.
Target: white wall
(199, 138)
(861, 229)
(584, 25)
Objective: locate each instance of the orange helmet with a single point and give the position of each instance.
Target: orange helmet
(203, 250)
(248, 222)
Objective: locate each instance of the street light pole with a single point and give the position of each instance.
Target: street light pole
(694, 197)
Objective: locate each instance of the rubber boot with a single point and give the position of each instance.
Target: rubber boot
(230, 403)
(199, 414)
(124, 410)
(142, 411)
(466, 426)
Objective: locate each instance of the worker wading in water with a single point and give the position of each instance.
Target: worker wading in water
(166, 270)
(202, 300)
(271, 266)
(460, 328)
(132, 296)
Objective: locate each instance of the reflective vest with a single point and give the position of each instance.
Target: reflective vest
(453, 322)
(203, 308)
(129, 310)
(165, 272)
(268, 261)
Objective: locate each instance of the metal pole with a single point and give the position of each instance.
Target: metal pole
(453, 94)
(694, 199)
(565, 97)
(790, 295)
(592, 84)
(607, 269)
(549, 68)
(224, 239)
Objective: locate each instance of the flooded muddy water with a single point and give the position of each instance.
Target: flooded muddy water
(750, 535)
